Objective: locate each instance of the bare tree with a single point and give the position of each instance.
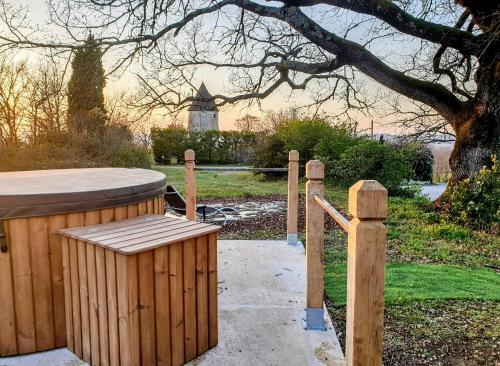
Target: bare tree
(248, 123)
(13, 86)
(441, 55)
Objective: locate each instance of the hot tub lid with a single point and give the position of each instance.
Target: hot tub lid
(45, 192)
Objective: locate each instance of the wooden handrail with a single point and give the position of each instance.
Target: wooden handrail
(240, 169)
(337, 216)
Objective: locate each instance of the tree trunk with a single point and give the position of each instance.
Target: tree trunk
(478, 129)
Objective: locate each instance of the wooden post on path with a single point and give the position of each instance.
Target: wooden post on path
(365, 274)
(315, 219)
(190, 185)
(293, 197)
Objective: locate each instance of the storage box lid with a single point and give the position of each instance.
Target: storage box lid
(140, 233)
(46, 192)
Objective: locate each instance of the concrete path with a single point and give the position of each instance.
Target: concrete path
(433, 191)
(261, 312)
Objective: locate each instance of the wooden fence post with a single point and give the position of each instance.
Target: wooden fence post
(365, 274)
(190, 185)
(315, 218)
(293, 196)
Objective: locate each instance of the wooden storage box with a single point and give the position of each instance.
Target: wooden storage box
(141, 291)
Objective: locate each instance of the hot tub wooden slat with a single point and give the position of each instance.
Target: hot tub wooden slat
(8, 343)
(189, 257)
(93, 310)
(84, 300)
(41, 280)
(75, 297)
(23, 289)
(57, 222)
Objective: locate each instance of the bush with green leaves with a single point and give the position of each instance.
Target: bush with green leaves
(270, 152)
(372, 160)
(421, 160)
(475, 202)
(211, 147)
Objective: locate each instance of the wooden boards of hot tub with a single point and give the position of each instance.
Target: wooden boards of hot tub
(31, 276)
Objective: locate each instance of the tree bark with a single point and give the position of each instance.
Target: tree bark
(477, 128)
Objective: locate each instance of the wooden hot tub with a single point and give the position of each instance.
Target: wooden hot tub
(33, 206)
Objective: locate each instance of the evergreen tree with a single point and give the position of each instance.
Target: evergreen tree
(86, 111)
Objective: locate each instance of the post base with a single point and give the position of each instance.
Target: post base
(315, 319)
(293, 239)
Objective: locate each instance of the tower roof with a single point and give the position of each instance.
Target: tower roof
(203, 105)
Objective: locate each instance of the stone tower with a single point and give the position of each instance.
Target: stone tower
(203, 116)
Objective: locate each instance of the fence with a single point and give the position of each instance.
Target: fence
(293, 188)
(365, 263)
(365, 253)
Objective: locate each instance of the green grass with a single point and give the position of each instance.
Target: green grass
(210, 184)
(418, 282)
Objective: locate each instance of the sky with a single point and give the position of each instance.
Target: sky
(216, 81)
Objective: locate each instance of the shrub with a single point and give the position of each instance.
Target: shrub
(475, 202)
(113, 147)
(303, 135)
(168, 144)
(420, 159)
(372, 160)
(270, 152)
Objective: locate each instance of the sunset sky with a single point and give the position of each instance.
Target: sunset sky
(216, 82)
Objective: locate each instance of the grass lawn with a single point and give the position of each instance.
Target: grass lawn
(408, 282)
(442, 280)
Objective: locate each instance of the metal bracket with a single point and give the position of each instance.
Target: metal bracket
(292, 239)
(3, 239)
(315, 319)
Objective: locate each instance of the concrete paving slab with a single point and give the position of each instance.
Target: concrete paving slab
(261, 309)
(261, 313)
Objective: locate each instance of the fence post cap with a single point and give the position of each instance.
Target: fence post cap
(315, 170)
(189, 155)
(368, 200)
(293, 155)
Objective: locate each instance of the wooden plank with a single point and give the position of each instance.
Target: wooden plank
(67, 293)
(162, 308)
(102, 305)
(107, 215)
(176, 303)
(121, 213)
(150, 233)
(23, 289)
(133, 311)
(123, 313)
(202, 292)
(75, 220)
(156, 205)
(93, 307)
(142, 208)
(113, 226)
(112, 301)
(84, 300)
(150, 206)
(212, 291)
(163, 240)
(42, 282)
(189, 257)
(147, 307)
(57, 222)
(8, 343)
(132, 210)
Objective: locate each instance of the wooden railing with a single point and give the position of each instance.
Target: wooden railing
(293, 188)
(365, 263)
